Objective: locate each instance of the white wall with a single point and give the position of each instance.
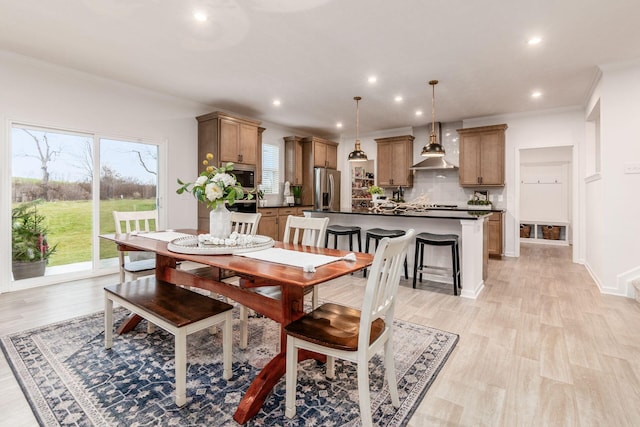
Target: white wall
(613, 202)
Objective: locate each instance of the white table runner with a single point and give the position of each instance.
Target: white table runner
(165, 236)
(289, 257)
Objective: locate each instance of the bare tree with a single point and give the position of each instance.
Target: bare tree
(141, 160)
(85, 160)
(45, 155)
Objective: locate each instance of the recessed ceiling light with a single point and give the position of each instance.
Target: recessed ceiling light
(398, 98)
(276, 102)
(536, 94)
(534, 40)
(200, 16)
(339, 124)
(373, 79)
(418, 113)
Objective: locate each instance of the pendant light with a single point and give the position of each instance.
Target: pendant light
(357, 155)
(433, 149)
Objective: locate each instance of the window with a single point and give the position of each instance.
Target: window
(270, 168)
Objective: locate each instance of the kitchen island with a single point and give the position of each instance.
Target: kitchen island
(470, 226)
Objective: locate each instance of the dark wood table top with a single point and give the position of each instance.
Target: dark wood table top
(269, 271)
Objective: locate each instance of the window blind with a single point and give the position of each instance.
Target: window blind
(270, 168)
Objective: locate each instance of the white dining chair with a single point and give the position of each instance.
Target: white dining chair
(306, 231)
(245, 222)
(298, 230)
(139, 263)
(351, 334)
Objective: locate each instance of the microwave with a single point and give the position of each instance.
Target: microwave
(246, 176)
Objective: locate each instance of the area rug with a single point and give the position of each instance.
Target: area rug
(70, 379)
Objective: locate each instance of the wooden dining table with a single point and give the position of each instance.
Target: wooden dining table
(284, 305)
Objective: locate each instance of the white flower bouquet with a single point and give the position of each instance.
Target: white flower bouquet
(214, 185)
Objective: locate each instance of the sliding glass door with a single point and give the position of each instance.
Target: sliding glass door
(128, 182)
(64, 188)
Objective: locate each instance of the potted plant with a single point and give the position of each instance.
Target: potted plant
(375, 192)
(479, 204)
(30, 250)
(297, 194)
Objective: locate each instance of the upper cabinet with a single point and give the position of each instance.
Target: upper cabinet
(324, 153)
(259, 160)
(229, 138)
(293, 160)
(482, 156)
(395, 157)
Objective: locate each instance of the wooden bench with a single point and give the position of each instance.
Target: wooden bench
(178, 311)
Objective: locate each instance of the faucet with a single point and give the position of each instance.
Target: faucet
(398, 194)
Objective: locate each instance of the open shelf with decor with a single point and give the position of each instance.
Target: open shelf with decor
(362, 178)
(547, 232)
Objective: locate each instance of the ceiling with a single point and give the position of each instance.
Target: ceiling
(316, 55)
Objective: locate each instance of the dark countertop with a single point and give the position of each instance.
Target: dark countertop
(431, 213)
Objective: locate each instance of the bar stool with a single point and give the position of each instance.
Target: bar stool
(432, 239)
(378, 234)
(343, 230)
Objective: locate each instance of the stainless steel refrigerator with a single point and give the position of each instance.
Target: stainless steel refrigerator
(326, 189)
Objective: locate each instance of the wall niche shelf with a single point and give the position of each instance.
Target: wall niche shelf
(542, 232)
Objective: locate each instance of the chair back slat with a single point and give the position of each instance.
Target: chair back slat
(245, 223)
(136, 221)
(382, 284)
(305, 231)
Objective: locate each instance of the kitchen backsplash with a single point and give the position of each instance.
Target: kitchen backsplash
(443, 187)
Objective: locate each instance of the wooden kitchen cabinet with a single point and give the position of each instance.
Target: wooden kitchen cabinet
(395, 157)
(268, 225)
(482, 156)
(258, 177)
(494, 230)
(274, 220)
(229, 138)
(293, 160)
(222, 134)
(323, 153)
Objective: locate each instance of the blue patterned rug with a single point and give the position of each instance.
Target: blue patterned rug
(70, 379)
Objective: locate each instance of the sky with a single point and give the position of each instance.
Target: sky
(70, 161)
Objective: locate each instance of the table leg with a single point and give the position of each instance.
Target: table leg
(265, 381)
(292, 308)
(129, 324)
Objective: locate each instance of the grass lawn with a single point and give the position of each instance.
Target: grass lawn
(71, 229)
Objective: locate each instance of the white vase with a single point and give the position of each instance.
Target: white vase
(220, 221)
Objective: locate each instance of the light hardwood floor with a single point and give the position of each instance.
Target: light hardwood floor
(540, 346)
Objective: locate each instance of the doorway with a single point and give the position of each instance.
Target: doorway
(546, 191)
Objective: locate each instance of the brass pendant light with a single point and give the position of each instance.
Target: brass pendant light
(434, 148)
(357, 155)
